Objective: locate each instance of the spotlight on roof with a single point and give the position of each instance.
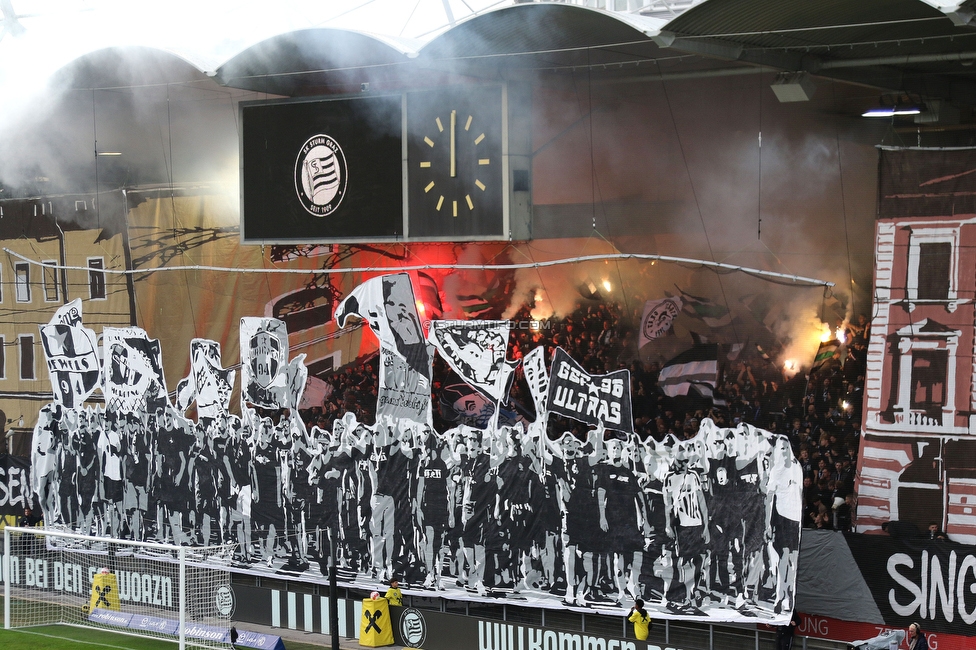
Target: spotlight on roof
(895, 106)
(891, 111)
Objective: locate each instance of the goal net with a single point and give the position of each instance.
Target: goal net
(178, 593)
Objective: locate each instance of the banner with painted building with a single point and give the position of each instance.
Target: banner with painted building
(918, 449)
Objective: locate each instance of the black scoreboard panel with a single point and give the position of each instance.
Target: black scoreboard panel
(417, 166)
(319, 171)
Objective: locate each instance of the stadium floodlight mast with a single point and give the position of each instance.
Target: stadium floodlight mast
(143, 589)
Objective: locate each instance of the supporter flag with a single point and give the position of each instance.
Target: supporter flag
(696, 367)
(476, 351)
(657, 319)
(388, 305)
(264, 362)
(537, 377)
(315, 394)
(404, 393)
(711, 313)
(771, 313)
(72, 356)
(825, 353)
(459, 402)
(297, 373)
(429, 296)
(133, 371)
(208, 383)
(594, 399)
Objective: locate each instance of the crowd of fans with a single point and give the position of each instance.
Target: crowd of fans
(818, 408)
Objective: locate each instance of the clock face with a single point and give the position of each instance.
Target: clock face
(454, 163)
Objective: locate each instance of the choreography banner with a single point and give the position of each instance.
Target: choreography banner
(264, 362)
(594, 399)
(705, 529)
(476, 351)
(71, 352)
(133, 371)
(657, 318)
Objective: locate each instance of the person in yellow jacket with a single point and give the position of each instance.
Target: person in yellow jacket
(394, 595)
(641, 620)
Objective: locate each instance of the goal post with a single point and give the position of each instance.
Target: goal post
(176, 593)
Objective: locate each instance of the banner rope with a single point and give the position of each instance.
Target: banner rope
(716, 266)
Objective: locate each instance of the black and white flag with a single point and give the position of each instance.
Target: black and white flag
(594, 399)
(475, 350)
(537, 377)
(403, 393)
(696, 367)
(388, 306)
(208, 383)
(71, 352)
(297, 373)
(657, 319)
(133, 371)
(264, 362)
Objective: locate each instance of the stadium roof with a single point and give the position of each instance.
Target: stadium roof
(308, 47)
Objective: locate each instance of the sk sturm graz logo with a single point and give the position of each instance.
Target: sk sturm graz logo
(320, 175)
(224, 601)
(413, 628)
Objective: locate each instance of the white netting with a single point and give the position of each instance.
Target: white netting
(138, 588)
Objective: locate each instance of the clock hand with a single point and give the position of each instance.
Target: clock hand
(453, 138)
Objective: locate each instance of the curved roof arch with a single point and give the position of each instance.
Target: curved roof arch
(313, 61)
(535, 30)
(127, 66)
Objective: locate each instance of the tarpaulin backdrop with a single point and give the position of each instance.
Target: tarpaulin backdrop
(702, 529)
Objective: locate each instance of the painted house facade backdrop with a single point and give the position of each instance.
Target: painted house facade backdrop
(918, 456)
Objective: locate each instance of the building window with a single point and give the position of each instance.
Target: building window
(924, 398)
(22, 282)
(934, 269)
(929, 381)
(51, 293)
(26, 356)
(96, 278)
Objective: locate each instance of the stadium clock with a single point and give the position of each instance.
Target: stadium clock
(455, 163)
